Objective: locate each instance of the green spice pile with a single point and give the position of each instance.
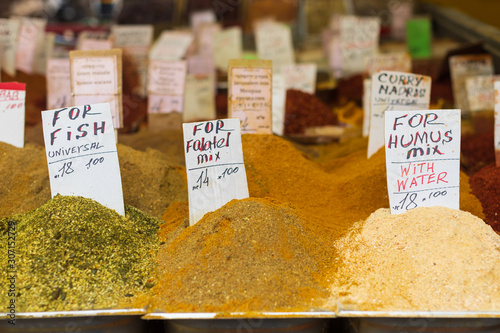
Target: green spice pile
(250, 255)
(75, 254)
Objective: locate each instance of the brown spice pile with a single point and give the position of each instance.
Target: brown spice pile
(428, 259)
(486, 186)
(150, 180)
(477, 150)
(250, 255)
(305, 110)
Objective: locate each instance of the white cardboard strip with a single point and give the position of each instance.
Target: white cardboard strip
(422, 159)
(171, 45)
(30, 41)
(9, 32)
(214, 165)
(480, 92)
(199, 99)
(12, 113)
(497, 124)
(395, 91)
(81, 154)
(228, 45)
(58, 84)
(279, 104)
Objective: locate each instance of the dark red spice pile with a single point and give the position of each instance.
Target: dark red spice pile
(485, 186)
(477, 151)
(305, 110)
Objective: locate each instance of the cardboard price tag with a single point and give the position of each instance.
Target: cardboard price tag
(301, 77)
(94, 40)
(463, 66)
(58, 83)
(171, 45)
(199, 99)
(395, 91)
(274, 42)
(228, 45)
(96, 77)
(497, 123)
(422, 158)
(279, 104)
(9, 32)
(30, 42)
(214, 165)
(480, 92)
(250, 96)
(166, 86)
(396, 62)
(81, 154)
(12, 113)
(367, 100)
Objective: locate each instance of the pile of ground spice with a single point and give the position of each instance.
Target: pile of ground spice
(331, 196)
(306, 110)
(427, 259)
(150, 180)
(249, 255)
(477, 150)
(74, 254)
(485, 185)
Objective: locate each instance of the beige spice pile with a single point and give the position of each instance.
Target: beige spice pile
(428, 259)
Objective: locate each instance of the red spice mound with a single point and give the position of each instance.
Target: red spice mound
(305, 110)
(485, 186)
(477, 151)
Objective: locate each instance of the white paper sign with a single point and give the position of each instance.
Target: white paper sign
(279, 103)
(58, 84)
(358, 39)
(94, 40)
(396, 62)
(96, 78)
(135, 41)
(12, 113)
(301, 77)
(463, 66)
(30, 40)
(274, 42)
(199, 99)
(166, 86)
(367, 104)
(9, 32)
(44, 53)
(480, 92)
(214, 165)
(171, 45)
(250, 98)
(422, 158)
(395, 91)
(199, 18)
(205, 39)
(497, 123)
(227, 45)
(81, 154)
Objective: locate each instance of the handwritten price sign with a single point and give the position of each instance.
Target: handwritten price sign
(12, 112)
(81, 154)
(422, 158)
(214, 165)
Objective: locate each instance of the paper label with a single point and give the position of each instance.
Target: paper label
(367, 100)
(359, 37)
(199, 101)
(396, 62)
(401, 13)
(166, 86)
(301, 77)
(463, 66)
(227, 45)
(249, 92)
(497, 123)
(202, 17)
(12, 113)
(274, 42)
(171, 46)
(81, 154)
(418, 37)
(9, 32)
(214, 165)
(58, 84)
(422, 158)
(45, 52)
(96, 78)
(205, 39)
(395, 91)
(279, 103)
(481, 92)
(94, 40)
(201, 65)
(31, 38)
